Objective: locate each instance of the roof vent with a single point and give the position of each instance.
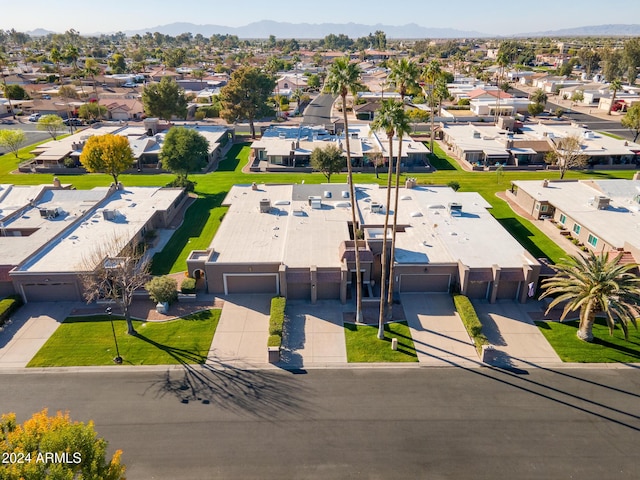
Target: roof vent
(455, 209)
(327, 194)
(109, 214)
(345, 194)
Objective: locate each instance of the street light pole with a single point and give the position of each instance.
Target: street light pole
(118, 358)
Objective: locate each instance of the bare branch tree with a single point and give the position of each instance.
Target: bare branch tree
(114, 271)
(567, 153)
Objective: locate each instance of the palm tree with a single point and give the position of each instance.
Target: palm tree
(430, 74)
(344, 78)
(5, 63)
(539, 96)
(402, 127)
(596, 284)
(91, 68)
(615, 86)
(404, 76)
(56, 58)
(385, 120)
(503, 61)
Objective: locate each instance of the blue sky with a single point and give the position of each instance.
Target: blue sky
(488, 16)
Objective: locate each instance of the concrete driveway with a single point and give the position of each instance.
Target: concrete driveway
(243, 331)
(516, 339)
(30, 328)
(315, 334)
(438, 333)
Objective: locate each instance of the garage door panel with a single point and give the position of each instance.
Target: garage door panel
(424, 283)
(251, 284)
(477, 290)
(328, 291)
(507, 290)
(51, 292)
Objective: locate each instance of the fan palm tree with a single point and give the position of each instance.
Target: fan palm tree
(6, 63)
(385, 119)
(56, 58)
(596, 284)
(615, 86)
(430, 74)
(344, 78)
(402, 125)
(404, 76)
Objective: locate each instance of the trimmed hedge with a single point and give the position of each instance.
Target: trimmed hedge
(8, 306)
(470, 320)
(188, 285)
(276, 321)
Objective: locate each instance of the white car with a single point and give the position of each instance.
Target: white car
(34, 117)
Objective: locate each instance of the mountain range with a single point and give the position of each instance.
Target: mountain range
(265, 28)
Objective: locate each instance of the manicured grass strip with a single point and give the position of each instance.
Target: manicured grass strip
(201, 221)
(607, 134)
(85, 341)
(236, 158)
(440, 160)
(363, 345)
(470, 320)
(605, 348)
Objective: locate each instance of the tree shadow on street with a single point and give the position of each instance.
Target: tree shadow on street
(256, 393)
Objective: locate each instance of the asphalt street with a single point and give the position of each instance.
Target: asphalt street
(318, 112)
(448, 423)
(30, 129)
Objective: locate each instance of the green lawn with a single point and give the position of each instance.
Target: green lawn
(84, 341)
(363, 345)
(604, 349)
(236, 158)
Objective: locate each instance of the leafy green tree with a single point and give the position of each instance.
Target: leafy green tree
(117, 63)
(162, 289)
(108, 153)
(631, 120)
(43, 433)
(92, 111)
(52, 124)
(631, 58)
(577, 96)
(615, 87)
(596, 284)
(164, 99)
(589, 58)
(245, 96)
(313, 81)
(184, 150)
(13, 140)
(15, 92)
(612, 64)
(328, 160)
(344, 78)
(69, 92)
(535, 109)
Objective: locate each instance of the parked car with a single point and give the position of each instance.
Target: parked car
(34, 117)
(76, 122)
(129, 85)
(46, 97)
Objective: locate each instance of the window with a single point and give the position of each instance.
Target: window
(576, 228)
(544, 208)
(593, 241)
(563, 219)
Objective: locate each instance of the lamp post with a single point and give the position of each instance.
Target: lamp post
(118, 358)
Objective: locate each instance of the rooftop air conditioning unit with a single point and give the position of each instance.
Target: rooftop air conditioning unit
(316, 204)
(265, 205)
(109, 214)
(376, 207)
(455, 209)
(602, 202)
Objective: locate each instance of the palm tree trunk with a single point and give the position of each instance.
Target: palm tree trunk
(587, 319)
(352, 194)
(384, 258)
(393, 234)
(431, 112)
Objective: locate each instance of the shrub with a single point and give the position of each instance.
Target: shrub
(199, 115)
(464, 101)
(163, 289)
(470, 320)
(8, 306)
(274, 341)
(276, 318)
(70, 162)
(181, 182)
(188, 285)
(454, 185)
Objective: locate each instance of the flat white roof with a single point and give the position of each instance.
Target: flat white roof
(433, 235)
(298, 235)
(71, 251)
(615, 225)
